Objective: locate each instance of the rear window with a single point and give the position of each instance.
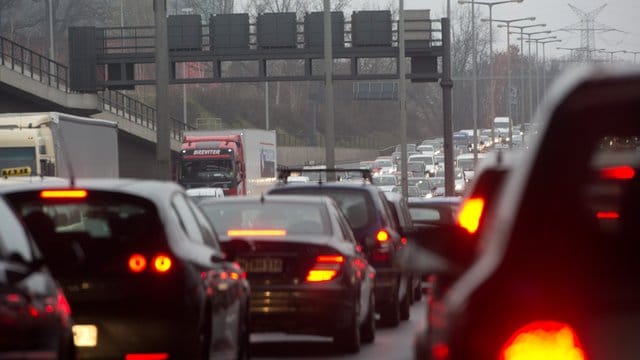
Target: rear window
(104, 225)
(355, 204)
(295, 218)
(384, 180)
(422, 214)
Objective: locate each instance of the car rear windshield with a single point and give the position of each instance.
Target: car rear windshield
(294, 218)
(384, 180)
(355, 204)
(105, 226)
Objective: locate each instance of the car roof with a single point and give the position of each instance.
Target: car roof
(150, 189)
(329, 185)
(300, 199)
(436, 200)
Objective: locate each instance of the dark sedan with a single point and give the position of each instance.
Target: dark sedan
(34, 313)
(153, 283)
(306, 271)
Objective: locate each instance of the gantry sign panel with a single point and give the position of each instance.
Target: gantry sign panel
(108, 57)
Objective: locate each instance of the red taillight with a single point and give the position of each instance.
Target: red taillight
(137, 263)
(440, 352)
(623, 172)
(63, 194)
(382, 236)
(470, 214)
(63, 304)
(161, 264)
(158, 356)
(326, 268)
(607, 215)
(543, 340)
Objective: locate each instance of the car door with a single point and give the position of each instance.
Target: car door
(203, 256)
(28, 294)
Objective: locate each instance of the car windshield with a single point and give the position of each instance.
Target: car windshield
(383, 163)
(106, 227)
(384, 180)
(295, 218)
(354, 203)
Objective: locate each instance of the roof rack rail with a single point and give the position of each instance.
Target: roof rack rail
(284, 174)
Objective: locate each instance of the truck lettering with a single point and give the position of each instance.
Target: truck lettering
(207, 152)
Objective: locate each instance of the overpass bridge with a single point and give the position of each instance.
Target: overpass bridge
(31, 82)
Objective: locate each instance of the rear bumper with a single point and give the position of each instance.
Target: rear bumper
(301, 310)
(386, 287)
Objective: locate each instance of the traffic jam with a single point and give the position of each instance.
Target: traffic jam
(535, 260)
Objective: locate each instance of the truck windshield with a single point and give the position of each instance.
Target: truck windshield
(14, 157)
(207, 169)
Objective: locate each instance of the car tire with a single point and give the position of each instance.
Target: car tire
(417, 292)
(390, 314)
(204, 337)
(347, 340)
(368, 328)
(244, 342)
(405, 305)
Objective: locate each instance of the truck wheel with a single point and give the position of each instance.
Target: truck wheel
(368, 329)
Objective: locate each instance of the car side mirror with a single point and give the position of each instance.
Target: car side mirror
(439, 249)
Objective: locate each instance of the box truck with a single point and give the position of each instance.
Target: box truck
(49, 143)
(240, 161)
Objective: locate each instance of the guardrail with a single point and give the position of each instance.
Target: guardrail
(138, 112)
(34, 65)
(358, 142)
(54, 74)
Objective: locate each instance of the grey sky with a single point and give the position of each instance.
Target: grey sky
(620, 14)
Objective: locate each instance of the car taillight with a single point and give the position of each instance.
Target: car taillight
(63, 194)
(623, 172)
(137, 263)
(382, 236)
(326, 268)
(161, 264)
(470, 214)
(156, 356)
(543, 340)
(610, 215)
(256, 232)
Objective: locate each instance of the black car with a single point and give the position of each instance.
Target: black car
(35, 318)
(558, 268)
(153, 283)
(306, 271)
(371, 220)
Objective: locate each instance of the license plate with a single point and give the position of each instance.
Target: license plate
(261, 265)
(85, 335)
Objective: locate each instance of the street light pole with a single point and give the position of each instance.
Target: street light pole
(530, 77)
(537, 66)
(491, 76)
(163, 133)
(52, 54)
(328, 86)
(403, 101)
(611, 53)
(544, 65)
(635, 55)
(508, 92)
(521, 92)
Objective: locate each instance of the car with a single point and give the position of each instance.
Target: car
(402, 219)
(152, 282)
(426, 149)
(370, 218)
(307, 273)
(413, 192)
(383, 166)
(434, 211)
(423, 184)
(385, 182)
(416, 168)
(558, 266)
(199, 194)
(430, 168)
(35, 317)
(437, 185)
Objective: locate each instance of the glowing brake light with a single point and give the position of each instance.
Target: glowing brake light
(326, 268)
(609, 215)
(137, 263)
(382, 236)
(543, 340)
(623, 172)
(161, 264)
(158, 356)
(251, 232)
(470, 214)
(63, 194)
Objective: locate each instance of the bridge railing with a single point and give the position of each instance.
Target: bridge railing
(137, 112)
(40, 68)
(34, 65)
